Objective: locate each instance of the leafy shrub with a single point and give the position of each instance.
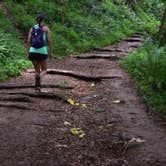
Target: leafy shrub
(12, 53)
(147, 66)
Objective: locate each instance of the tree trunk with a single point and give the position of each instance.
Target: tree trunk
(162, 30)
(130, 3)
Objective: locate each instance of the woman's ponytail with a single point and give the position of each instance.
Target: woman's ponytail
(39, 19)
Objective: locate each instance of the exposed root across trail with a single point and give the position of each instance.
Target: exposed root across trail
(17, 106)
(38, 95)
(79, 75)
(107, 56)
(18, 98)
(30, 85)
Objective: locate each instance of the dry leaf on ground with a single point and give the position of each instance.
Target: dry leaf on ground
(71, 101)
(137, 140)
(77, 131)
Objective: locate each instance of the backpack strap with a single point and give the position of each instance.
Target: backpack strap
(34, 26)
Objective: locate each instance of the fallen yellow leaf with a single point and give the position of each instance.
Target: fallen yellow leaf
(137, 140)
(77, 131)
(116, 101)
(84, 105)
(74, 131)
(71, 101)
(82, 134)
(92, 85)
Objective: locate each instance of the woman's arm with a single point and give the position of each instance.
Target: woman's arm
(49, 42)
(28, 42)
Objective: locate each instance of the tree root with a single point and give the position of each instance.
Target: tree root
(88, 56)
(17, 98)
(18, 106)
(108, 49)
(19, 86)
(133, 39)
(137, 36)
(82, 76)
(38, 95)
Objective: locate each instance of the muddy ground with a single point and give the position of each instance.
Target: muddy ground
(116, 127)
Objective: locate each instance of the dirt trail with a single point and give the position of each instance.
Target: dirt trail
(118, 129)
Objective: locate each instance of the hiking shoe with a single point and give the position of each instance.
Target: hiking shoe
(37, 82)
(38, 89)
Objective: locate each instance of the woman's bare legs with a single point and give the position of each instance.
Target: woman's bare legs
(37, 74)
(36, 67)
(40, 70)
(43, 66)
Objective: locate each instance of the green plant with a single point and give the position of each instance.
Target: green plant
(147, 66)
(12, 53)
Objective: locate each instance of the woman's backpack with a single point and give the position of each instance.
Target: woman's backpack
(37, 40)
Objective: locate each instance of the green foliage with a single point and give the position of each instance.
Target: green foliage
(147, 66)
(153, 8)
(78, 26)
(12, 53)
(147, 22)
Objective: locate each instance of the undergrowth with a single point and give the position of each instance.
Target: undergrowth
(147, 66)
(12, 53)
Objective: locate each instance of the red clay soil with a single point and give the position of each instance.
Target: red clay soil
(117, 128)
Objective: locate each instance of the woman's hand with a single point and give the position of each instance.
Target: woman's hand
(51, 56)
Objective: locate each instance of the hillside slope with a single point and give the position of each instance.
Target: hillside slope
(12, 52)
(76, 26)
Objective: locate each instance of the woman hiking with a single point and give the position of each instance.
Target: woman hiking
(38, 38)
